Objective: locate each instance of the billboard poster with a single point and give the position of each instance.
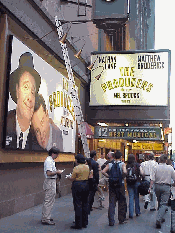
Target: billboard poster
(136, 78)
(40, 111)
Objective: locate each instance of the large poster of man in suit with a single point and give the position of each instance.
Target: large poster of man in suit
(40, 111)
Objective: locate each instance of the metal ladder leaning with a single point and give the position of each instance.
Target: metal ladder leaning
(73, 92)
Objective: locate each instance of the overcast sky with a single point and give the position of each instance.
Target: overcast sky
(165, 39)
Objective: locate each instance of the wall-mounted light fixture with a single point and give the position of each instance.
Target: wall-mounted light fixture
(92, 65)
(102, 124)
(78, 54)
(63, 39)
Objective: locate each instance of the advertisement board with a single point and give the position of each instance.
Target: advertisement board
(148, 146)
(130, 78)
(40, 111)
(128, 133)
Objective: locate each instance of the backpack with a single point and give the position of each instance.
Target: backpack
(131, 176)
(115, 175)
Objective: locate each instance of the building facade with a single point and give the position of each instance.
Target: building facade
(93, 27)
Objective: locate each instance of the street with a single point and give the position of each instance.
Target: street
(63, 215)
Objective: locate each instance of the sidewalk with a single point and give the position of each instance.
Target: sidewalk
(63, 214)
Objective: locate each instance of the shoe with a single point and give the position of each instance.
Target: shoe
(163, 220)
(51, 219)
(122, 222)
(84, 226)
(153, 209)
(47, 222)
(130, 217)
(166, 210)
(111, 224)
(146, 205)
(158, 224)
(75, 227)
(138, 214)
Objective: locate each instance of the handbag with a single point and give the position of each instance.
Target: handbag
(143, 188)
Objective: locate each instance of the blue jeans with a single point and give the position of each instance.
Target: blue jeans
(133, 194)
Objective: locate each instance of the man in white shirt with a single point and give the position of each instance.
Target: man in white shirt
(101, 161)
(148, 167)
(162, 176)
(49, 186)
(102, 179)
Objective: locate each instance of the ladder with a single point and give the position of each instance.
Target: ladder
(73, 92)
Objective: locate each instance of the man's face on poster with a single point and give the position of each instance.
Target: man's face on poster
(40, 122)
(25, 92)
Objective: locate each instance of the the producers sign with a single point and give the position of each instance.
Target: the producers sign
(130, 79)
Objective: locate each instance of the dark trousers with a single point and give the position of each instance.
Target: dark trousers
(80, 192)
(92, 191)
(117, 194)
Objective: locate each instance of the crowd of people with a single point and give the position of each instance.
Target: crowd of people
(90, 174)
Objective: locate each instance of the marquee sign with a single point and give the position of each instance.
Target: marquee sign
(137, 78)
(148, 146)
(128, 133)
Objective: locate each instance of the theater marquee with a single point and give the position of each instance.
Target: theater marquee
(128, 133)
(130, 78)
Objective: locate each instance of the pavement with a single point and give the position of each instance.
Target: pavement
(29, 221)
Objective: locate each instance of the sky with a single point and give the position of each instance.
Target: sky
(165, 39)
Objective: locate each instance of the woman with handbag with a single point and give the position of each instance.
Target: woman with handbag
(133, 180)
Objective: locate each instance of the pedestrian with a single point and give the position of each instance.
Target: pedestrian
(80, 192)
(148, 166)
(95, 179)
(102, 178)
(101, 160)
(110, 157)
(49, 186)
(116, 171)
(132, 185)
(161, 177)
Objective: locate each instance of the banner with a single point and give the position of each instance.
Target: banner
(128, 133)
(148, 146)
(130, 79)
(40, 111)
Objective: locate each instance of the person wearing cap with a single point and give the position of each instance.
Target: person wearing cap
(47, 133)
(49, 186)
(162, 176)
(23, 85)
(80, 191)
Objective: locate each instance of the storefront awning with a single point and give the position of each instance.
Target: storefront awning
(89, 133)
